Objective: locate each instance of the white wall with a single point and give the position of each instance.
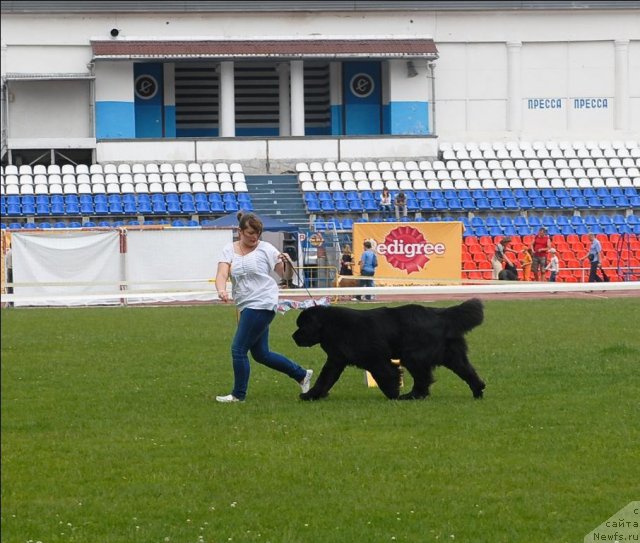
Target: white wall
(564, 54)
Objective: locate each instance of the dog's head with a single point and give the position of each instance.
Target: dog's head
(310, 324)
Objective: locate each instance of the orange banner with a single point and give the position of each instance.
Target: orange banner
(413, 250)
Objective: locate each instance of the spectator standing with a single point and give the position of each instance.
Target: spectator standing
(368, 264)
(526, 261)
(400, 204)
(595, 257)
(249, 262)
(500, 257)
(540, 247)
(385, 203)
(553, 266)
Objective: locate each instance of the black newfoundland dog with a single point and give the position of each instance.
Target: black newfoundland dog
(420, 337)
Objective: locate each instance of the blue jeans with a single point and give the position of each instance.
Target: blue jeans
(366, 283)
(253, 335)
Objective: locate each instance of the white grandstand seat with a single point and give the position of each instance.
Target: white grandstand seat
(141, 177)
(392, 185)
(633, 172)
(405, 184)
(556, 153)
(315, 167)
(502, 183)
(488, 184)
(414, 175)
(97, 188)
(66, 168)
(563, 172)
(12, 189)
(402, 175)
(515, 183)
(333, 176)
(208, 167)
(181, 177)
(363, 184)
(185, 187)
(411, 165)
(397, 165)
(349, 185)
(606, 172)
(53, 169)
(194, 167)
(377, 184)
(597, 182)
(524, 172)
(322, 186)
(449, 155)
(484, 145)
(446, 146)
(95, 178)
(169, 188)
(55, 179)
(240, 186)
(96, 168)
(611, 182)
(329, 166)
(236, 167)
(443, 174)
(155, 188)
(570, 153)
(461, 154)
(530, 154)
(138, 168)
(374, 176)
(302, 177)
(125, 188)
(520, 163)
(12, 180)
(489, 154)
(126, 178)
(622, 182)
(212, 186)
(557, 183)
(459, 184)
(510, 172)
(318, 176)
(238, 177)
(142, 188)
(71, 188)
(25, 169)
(615, 163)
(471, 145)
(167, 177)
(28, 189)
(517, 153)
(357, 166)
(307, 186)
(418, 184)
(83, 178)
(180, 167)
(570, 183)
(493, 174)
(11, 169)
(529, 183)
(40, 179)
(224, 177)
(425, 165)
(27, 179)
(584, 183)
(39, 169)
(110, 168)
(335, 185)
(509, 145)
(543, 183)
(475, 154)
(447, 184)
(111, 178)
(226, 186)
(113, 188)
(196, 177)
(124, 168)
(429, 174)
(507, 164)
(165, 167)
(343, 166)
(628, 163)
(222, 167)
(384, 166)
(387, 175)
(433, 184)
(438, 165)
(84, 188)
(370, 166)
(346, 176)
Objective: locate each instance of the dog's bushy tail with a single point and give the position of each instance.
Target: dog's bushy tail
(466, 316)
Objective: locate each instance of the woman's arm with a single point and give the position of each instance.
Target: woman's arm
(221, 280)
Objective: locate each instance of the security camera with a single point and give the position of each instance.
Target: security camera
(114, 32)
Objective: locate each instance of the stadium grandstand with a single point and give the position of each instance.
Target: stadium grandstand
(503, 116)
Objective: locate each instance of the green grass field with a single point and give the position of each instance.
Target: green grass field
(110, 433)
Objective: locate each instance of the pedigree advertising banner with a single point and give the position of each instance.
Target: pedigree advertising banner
(414, 250)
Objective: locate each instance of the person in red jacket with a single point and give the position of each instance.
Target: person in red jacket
(540, 248)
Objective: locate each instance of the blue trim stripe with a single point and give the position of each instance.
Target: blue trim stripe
(115, 120)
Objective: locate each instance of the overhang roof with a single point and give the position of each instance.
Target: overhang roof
(119, 49)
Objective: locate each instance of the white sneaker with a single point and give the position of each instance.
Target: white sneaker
(227, 399)
(305, 384)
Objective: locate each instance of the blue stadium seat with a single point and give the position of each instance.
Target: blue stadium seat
(327, 206)
(173, 206)
(159, 207)
(231, 205)
(72, 208)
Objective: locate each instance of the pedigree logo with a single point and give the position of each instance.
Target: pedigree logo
(405, 248)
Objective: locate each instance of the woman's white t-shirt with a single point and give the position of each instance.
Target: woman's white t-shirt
(251, 280)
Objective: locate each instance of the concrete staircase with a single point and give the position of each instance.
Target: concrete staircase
(278, 196)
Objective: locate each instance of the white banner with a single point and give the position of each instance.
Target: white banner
(68, 263)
